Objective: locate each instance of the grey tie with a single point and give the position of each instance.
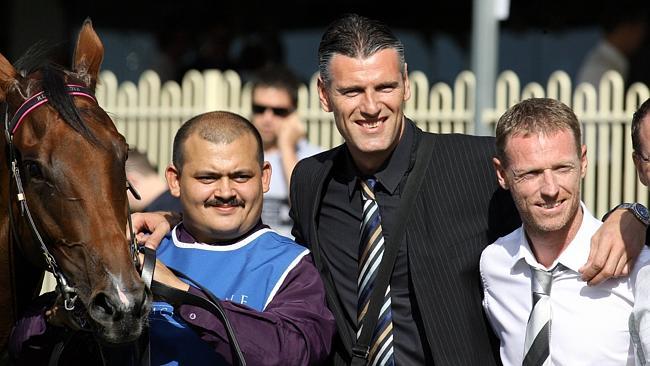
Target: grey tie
(538, 329)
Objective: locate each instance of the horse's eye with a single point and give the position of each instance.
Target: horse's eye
(33, 170)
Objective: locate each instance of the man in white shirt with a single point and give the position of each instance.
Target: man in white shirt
(541, 160)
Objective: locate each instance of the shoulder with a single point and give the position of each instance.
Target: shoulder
(274, 239)
(463, 158)
(458, 141)
(458, 148)
(321, 157)
(309, 167)
(503, 250)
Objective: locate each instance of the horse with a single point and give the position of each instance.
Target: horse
(63, 202)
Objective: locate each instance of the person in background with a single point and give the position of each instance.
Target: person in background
(153, 190)
(541, 160)
(274, 114)
(625, 28)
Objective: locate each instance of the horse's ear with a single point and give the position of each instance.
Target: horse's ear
(7, 76)
(88, 54)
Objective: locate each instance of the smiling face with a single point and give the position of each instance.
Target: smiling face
(543, 174)
(366, 96)
(220, 186)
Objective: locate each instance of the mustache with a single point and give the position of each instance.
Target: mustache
(216, 201)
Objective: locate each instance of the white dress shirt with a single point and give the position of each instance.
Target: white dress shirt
(640, 320)
(589, 325)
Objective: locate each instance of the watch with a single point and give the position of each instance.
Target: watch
(639, 210)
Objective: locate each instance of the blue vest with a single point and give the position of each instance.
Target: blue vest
(249, 272)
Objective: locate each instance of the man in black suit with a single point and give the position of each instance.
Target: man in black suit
(458, 208)
(455, 208)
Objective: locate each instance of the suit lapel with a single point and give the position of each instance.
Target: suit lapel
(315, 205)
(333, 298)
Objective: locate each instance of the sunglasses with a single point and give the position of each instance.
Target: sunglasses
(280, 112)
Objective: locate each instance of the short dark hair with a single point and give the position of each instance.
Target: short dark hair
(536, 115)
(280, 77)
(637, 118)
(353, 35)
(218, 127)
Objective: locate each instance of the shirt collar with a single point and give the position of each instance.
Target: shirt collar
(574, 255)
(391, 172)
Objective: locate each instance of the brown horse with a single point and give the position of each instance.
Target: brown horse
(63, 203)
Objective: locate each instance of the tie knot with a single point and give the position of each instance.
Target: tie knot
(542, 279)
(371, 182)
(368, 188)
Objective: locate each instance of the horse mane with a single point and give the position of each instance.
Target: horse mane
(53, 83)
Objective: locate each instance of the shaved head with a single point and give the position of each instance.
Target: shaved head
(218, 127)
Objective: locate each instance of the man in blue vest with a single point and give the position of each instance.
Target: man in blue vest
(267, 284)
(269, 287)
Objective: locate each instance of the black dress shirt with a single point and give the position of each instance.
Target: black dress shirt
(338, 230)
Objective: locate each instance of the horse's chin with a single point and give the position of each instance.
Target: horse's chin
(120, 332)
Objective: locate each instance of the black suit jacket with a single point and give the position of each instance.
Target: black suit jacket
(459, 210)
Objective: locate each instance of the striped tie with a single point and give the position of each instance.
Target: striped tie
(538, 329)
(371, 252)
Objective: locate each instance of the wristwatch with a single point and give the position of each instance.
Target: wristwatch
(639, 210)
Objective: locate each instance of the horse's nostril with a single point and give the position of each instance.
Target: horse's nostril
(103, 306)
(145, 304)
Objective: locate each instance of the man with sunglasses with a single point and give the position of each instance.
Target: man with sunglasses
(274, 102)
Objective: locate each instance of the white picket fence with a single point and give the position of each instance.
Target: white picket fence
(149, 114)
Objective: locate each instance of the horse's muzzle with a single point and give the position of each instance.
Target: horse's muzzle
(121, 314)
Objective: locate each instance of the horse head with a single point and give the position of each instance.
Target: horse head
(67, 197)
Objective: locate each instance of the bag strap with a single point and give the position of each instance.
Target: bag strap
(361, 349)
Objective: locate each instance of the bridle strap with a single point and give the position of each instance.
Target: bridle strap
(39, 99)
(11, 126)
(133, 242)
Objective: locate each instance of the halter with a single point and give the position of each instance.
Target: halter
(11, 126)
(69, 293)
